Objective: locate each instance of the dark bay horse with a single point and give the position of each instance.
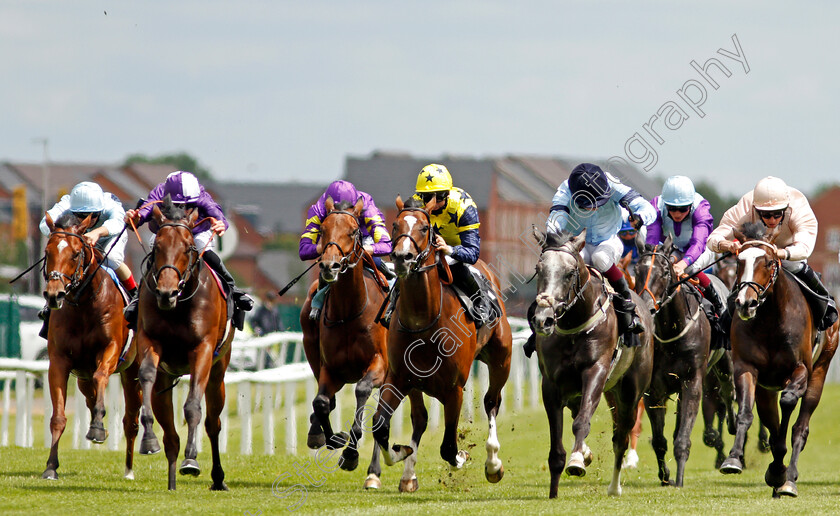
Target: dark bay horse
(432, 344)
(577, 343)
(345, 345)
(182, 329)
(772, 349)
(682, 337)
(87, 336)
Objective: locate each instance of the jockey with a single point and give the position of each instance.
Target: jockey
(776, 204)
(627, 233)
(591, 200)
(683, 214)
(105, 233)
(375, 237)
(455, 219)
(184, 188)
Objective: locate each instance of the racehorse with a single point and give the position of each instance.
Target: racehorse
(682, 336)
(345, 346)
(182, 328)
(772, 349)
(432, 345)
(87, 336)
(580, 356)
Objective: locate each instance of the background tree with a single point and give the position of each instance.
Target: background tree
(719, 202)
(181, 160)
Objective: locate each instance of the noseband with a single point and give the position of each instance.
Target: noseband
(577, 290)
(761, 291)
(672, 280)
(183, 277)
(81, 269)
(351, 259)
(417, 263)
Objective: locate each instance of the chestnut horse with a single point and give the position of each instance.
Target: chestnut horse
(182, 329)
(87, 336)
(345, 346)
(772, 349)
(577, 343)
(682, 336)
(432, 345)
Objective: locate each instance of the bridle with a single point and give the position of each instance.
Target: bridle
(672, 279)
(761, 291)
(351, 259)
(576, 292)
(417, 263)
(183, 277)
(72, 282)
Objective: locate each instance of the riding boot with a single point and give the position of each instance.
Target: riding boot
(44, 315)
(385, 319)
(130, 311)
(483, 310)
(531, 344)
(810, 277)
(719, 306)
(383, 268)
(318, 298)
(241, 301)
(625, 309)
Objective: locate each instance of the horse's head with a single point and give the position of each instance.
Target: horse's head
(655, 273)
(758, 268)
(412, 236)
(340, 245)
(66, 259)
(174, 256)
(561, 274)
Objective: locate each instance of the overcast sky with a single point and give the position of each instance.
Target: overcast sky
(277, 90)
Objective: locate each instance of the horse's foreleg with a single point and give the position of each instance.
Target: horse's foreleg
(97, 432)
(623, 404)
(655, 405)
(148, 376)
(451, 413)
(592, 381)
(556, 453)
(745, 393)
(390, 398)
(215, 397)
(58, 373)
(712, 406)
(499, 369)
(767, 406)
(322, 405)
(419, 420)
(200, 368)
(364, 387)
(162, 406)
(133, 400)
(688, 406)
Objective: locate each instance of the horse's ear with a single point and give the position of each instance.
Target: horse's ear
(157, 215)
(431, 204)
(192, 216)
(539, 236)
(667, 243)
(579, 241)
(625, 260)
(360, 205)
(50, 223)
(399, 203)
(329, 204)
(641, 245)
(738, 235)
(86, 224)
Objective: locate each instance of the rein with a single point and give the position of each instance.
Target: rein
(183, 278)
(673, 287)
(761, 291)
(348, 261)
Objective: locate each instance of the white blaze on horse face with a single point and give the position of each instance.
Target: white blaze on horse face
(406, 243)
(748, 256)
(62, 244)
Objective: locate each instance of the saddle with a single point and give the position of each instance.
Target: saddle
(817, 303)
(486, 314)
(224, 288)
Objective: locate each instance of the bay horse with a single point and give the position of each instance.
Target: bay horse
(432, 344)
(579, 355)
(345, 345)
(682, 336)
(87, 335)
(182, 328)
(772, 349)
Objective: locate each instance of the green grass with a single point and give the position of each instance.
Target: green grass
(91, 480)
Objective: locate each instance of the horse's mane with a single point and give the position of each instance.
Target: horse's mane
(172, 211)
(67, 220)
(343, 205)
(413, 202)
(754, 230)
(554, 240)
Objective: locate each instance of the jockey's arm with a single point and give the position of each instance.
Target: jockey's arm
(308, 246)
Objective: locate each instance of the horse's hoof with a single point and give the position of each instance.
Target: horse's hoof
(409, 486)
(96, 435)
(460, 459)
(338, 441)
(50, 474)
(372, 482)
(631, 460)
(149, 446)
(731, 466)
(221, 486)
(763, 446)
(190, 467)
(577, 465)
(494, 478)
(587, 455)
(788, 489)
(775, 476)
(129, 474)
(350, 461)
(315, 441)
(710, 438)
